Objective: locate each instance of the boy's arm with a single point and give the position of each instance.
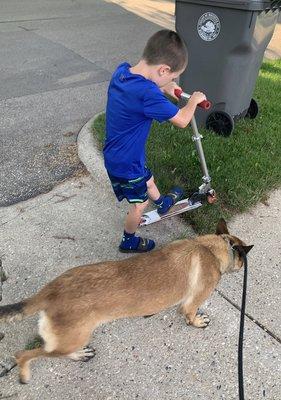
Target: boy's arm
(184, 115)
(170, 89)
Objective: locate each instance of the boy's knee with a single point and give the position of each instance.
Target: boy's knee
(139, 207)
(150, 183)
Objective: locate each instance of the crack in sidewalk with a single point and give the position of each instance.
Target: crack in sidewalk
(27, 209)
(24, 210)
(6, 366)
(8, 396)
(259, 324)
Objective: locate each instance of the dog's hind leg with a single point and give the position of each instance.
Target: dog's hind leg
(67, 344)
(60, 341)
(23, 359)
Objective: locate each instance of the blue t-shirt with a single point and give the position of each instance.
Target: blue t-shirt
(132, 104)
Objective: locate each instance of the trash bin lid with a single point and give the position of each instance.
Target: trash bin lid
(251, 5)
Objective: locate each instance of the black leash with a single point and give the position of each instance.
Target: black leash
(241, 330)
(1, 278)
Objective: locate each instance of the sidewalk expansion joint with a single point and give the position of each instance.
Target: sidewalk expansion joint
(6, 366)
(8, 396)
(264, 328)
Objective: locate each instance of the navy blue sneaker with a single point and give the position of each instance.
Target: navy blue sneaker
(135, 244)
(164, 203)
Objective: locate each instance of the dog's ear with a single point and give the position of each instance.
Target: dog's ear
(222, 228)
(243, 249)
(247, 248)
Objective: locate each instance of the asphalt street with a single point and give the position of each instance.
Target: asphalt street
(55, 59)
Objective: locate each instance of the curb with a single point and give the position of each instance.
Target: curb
(89, 153)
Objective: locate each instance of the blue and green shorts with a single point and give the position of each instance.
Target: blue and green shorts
(133, 190)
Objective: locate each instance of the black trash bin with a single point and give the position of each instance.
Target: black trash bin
(226, 41)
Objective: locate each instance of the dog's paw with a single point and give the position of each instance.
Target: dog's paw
(83, 355)
(200, 321)
(23, 380)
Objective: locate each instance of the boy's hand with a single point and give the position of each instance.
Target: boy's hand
(170, 89)
(185, 114)
(197, 97)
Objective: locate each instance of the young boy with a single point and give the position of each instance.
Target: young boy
(135, 98)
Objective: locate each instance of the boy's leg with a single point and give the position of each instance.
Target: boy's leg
(152, 189)
(130, 242)
(135, 191)
(134, 216)
(163, 203)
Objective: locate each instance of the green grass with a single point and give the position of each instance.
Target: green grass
(34, 343)
(244, 167)
(3, 276)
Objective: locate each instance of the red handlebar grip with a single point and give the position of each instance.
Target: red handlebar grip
(178, 93)
(206, 104)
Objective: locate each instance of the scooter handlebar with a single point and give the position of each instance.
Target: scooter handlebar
(205, 104)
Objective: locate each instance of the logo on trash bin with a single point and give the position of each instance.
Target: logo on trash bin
(208, 26)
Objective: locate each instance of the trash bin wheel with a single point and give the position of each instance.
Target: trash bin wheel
(252, 110)
(220, 122)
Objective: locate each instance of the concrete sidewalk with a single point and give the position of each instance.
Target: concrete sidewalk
(153, 358)
(157, 358)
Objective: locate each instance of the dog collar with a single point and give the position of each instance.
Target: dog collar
(231, 250)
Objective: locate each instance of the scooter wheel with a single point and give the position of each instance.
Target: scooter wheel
(220, 122)
(211, 198)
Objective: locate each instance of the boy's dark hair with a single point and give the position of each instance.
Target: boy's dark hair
(166, 47)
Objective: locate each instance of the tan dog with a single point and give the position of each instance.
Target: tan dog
(184, 273)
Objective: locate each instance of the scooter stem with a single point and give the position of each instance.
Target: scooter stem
(197, 139)
(206, 104)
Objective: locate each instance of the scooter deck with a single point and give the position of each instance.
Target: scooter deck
(179, 208)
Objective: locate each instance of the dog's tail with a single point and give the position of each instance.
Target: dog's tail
(18, 311)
